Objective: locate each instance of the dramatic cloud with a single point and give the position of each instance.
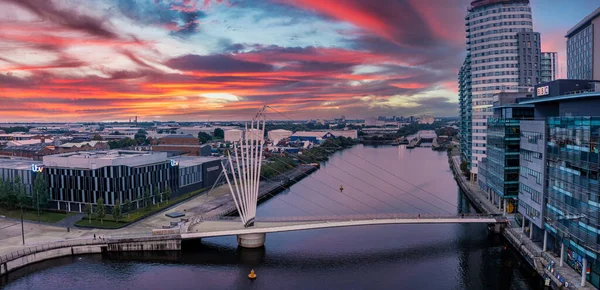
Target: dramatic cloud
(198, 59)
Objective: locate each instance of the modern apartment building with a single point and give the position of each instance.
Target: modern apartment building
(465, 110)
(583, 48)
(491, 66)
(549, 67)
(529, 49)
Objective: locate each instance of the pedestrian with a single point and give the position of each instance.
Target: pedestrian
(94, 236)
(419, 216)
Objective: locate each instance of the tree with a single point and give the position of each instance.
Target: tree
(100, 209)
(155, 194)
(168, 194)
(140, 137)
(127, 207)
(204, 137)
(465, 169)
(116, 212)
(97, 137)
(146, 202)
(41, 195)
(219, 133)
(88, 210)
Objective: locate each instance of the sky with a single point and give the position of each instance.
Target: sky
(200, 60)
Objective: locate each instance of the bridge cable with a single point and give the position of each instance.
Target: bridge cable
(393, 196)
(272, 195)
(323, 194)
(414, 185)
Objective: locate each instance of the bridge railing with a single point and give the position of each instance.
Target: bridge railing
(379, 216)
(49, 246)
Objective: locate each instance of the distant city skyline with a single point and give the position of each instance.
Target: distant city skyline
(70, 61)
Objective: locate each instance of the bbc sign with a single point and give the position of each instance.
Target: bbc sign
(542, 91)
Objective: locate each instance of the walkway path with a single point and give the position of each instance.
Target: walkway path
(475, 194)
(227, 228)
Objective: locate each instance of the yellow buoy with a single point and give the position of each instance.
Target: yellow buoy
(252, 275)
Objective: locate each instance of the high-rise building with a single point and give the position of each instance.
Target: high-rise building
(583, 48)
(464, 100)
(549, 67)
(493, 62)
(529, 49)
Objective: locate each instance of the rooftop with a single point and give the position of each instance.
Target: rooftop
(584, 22)
(179, 136)
(561, 98)
(187, 161)
(18, 164)
(97, 159)
(81, 144)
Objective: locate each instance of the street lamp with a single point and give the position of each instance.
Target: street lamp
(22, 227)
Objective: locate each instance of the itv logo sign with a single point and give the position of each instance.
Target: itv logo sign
(36, 168)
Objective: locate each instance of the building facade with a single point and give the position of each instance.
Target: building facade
(574, 189)
(465, 105)
(21, 170)
(492, 46)
(532, 190)
(565, 173)
(549, 67)
(583, 48)
(529, 49)
(76, 179)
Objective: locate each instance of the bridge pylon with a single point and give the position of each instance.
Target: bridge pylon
(245, 165)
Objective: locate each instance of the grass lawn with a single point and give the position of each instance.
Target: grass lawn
(31, 215)
(110, 223)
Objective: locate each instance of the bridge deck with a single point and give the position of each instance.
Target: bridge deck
(207, 229)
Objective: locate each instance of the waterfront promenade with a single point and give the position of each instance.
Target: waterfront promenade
(530, 251)
(479, 198)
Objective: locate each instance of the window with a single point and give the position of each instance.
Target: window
(526, 172)
(536, 196)
(532, 137)
(530, 155)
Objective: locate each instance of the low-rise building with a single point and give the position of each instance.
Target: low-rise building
(75, 179)
(23, 170)
(279, 134)
(233, 135)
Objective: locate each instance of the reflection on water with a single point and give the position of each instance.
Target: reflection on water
(456, 256)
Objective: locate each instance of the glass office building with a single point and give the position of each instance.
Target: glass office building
(503, 160)
(573, 208)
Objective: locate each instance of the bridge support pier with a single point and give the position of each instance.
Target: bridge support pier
(251, 240)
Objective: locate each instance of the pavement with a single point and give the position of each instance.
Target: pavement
(476, 195)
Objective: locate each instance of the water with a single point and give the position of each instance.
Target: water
(371, 257)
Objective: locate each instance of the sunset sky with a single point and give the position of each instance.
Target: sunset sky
(83, 60)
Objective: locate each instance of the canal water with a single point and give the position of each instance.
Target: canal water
(375, 180)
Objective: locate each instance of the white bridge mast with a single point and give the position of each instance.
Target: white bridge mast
(246, 178)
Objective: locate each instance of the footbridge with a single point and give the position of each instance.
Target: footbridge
(254, 236)
(243, 175)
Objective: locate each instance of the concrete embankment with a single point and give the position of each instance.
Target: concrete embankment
(34, 254)
(475, 195)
